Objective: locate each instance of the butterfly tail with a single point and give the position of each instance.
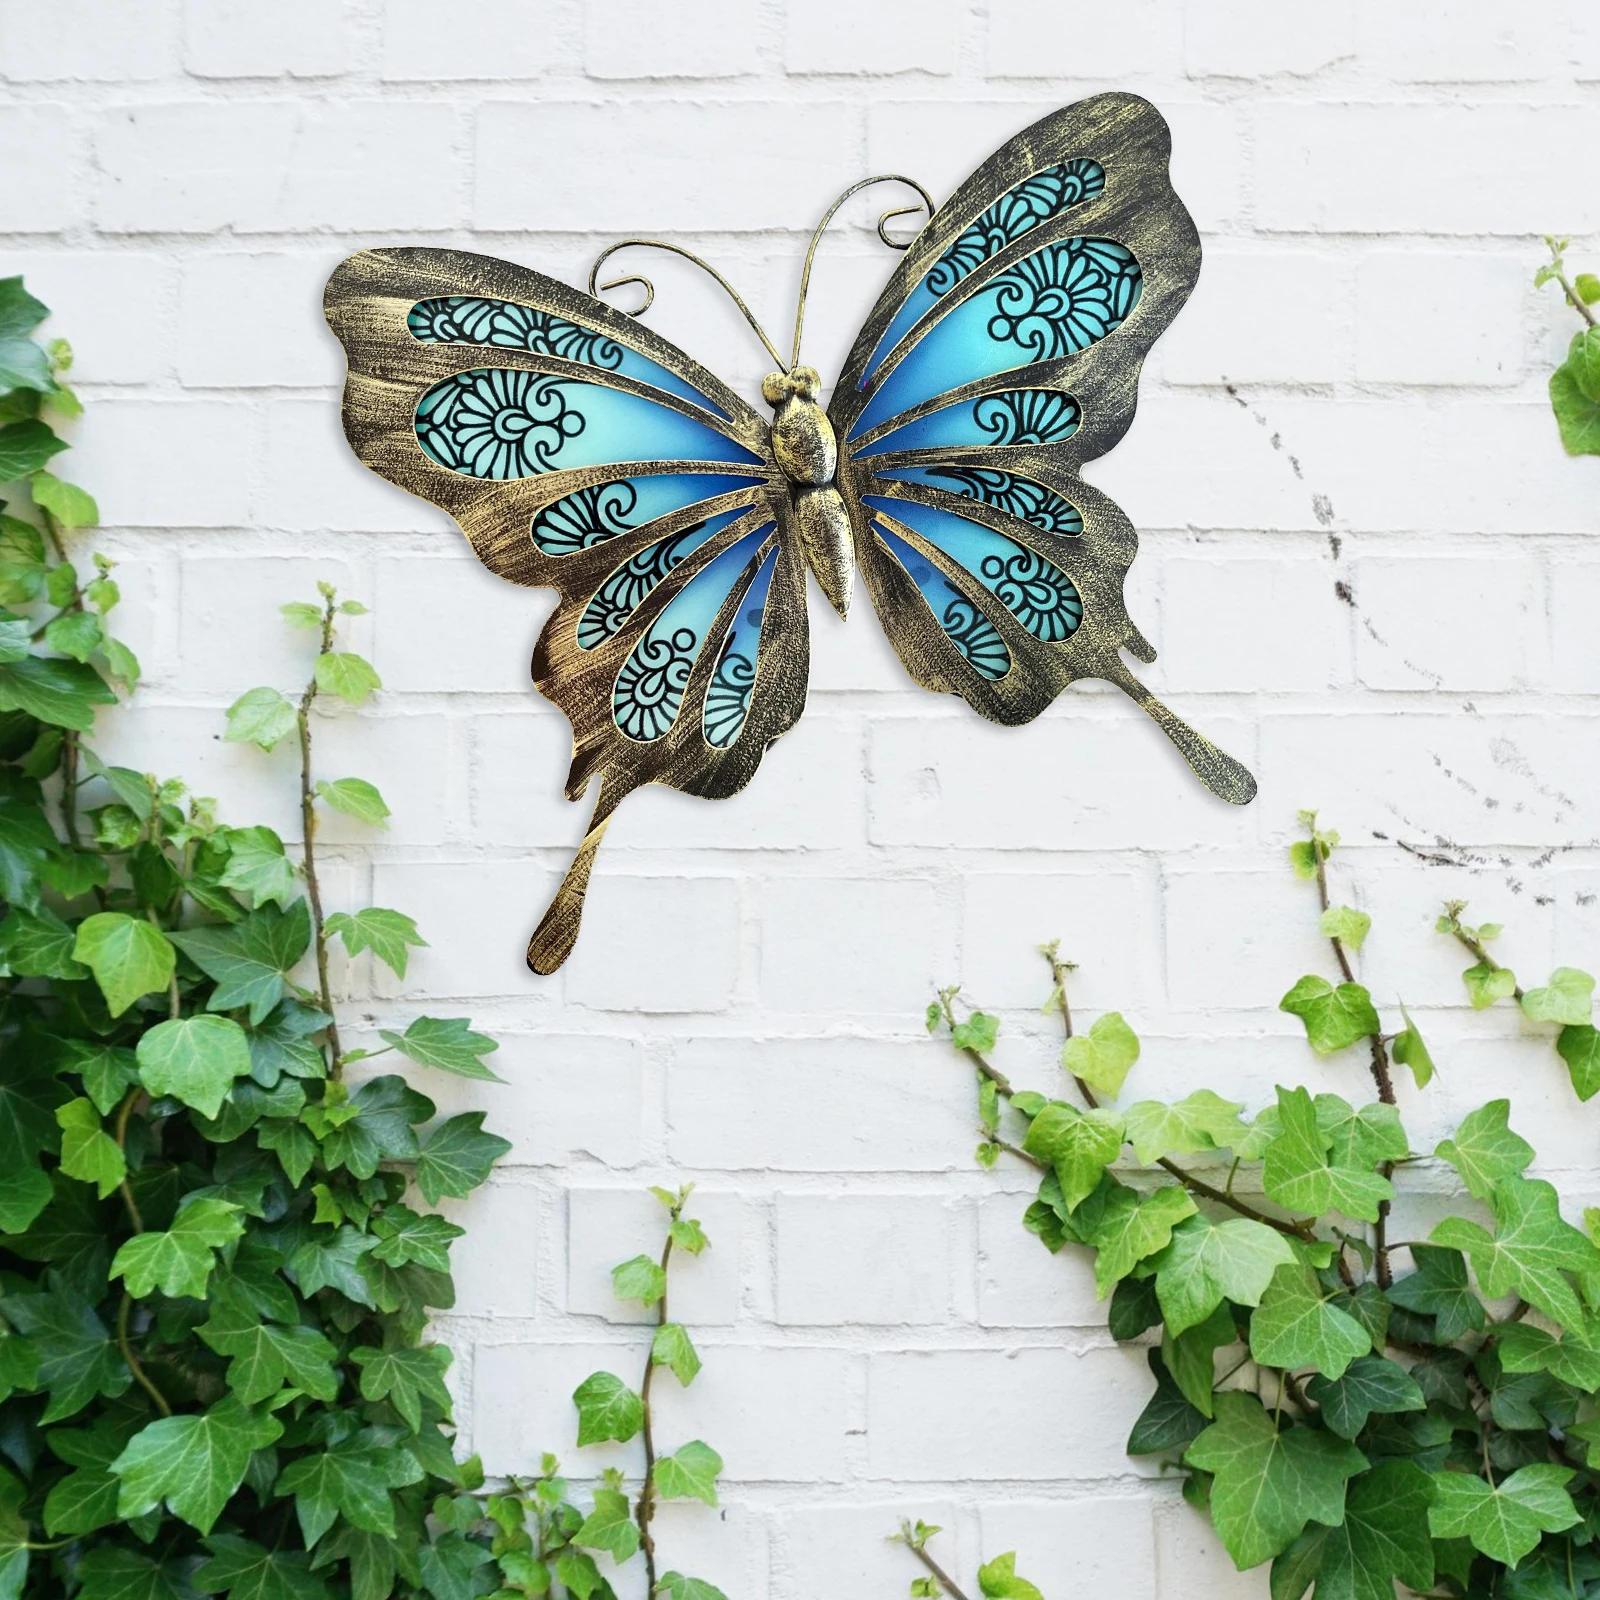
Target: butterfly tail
(557, 932)
(1226, 778)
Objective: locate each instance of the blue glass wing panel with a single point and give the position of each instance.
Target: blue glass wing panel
(1057, 301)
(1008, 491)
(968, 629)
(1013, 416)
(649, 690)
(501, 423)
(588, 517)
(621, 594)
(1035, 591)
(1036, 199)
(728, 697)
(466, 319)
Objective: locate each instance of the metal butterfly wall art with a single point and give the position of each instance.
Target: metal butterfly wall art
(579, 450)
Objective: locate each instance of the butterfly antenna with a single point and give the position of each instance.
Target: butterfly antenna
(925, 204)
(650, 289)
(557, 932)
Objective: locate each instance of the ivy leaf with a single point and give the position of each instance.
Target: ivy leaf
(1485, 1150)
(250, 960)
(1524, 1348)
(640, 1279)
(1269, 1484)
(264, 1356)
(1486, 983)
(76, 633)
(350, 1481)
(113, 1572)
(88, 1152)
(379, 1126)
(301, 614)
(62, 693)
(610, 1526)
(25, 447)
(179, 1261)
(285, 1043)
(450, 1562)
(1080, 1145)
(1410, 1050)
(1124, 1227)
(245, 1571)
(406, 1236)
(1334, 1018)
(29, 1095)
(258, 867)
(1530, 1251)
(193, 1462)
(355, 797)
(195, 1059)
(1168, 1421)
(672, 1347)
(978, 1032)
(348, 676)
(1209, 1262)
(71, 506)
(1103, 1057)
(607, 1409)
(689, 1473)
(27, 849)
(1297, 1172)
(1346, 924)
(456, 1157)
(1191, 1356)
(1579, 1046)
(999, 1581)
(447, 1043)
(1568, 998)
(1200, 1121)
(77, 1359)
(1370, 1384)
(1576, 407)
(333, 1261)
(1297, 1325)
(1439, 1288)
(108, 1071)
(371, 1561)
(24, 1193)
(677, 1587)
(129, 957)
(1505, 1520)
(385, 933)
(261, 717)
(405, 1378)
(1360, 1136)
(1384, 1536)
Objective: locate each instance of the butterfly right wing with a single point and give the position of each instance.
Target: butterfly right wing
(578, 450)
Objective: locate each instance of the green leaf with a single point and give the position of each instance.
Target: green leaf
(77, 1359)
(195, 1059)
(250, 960)
(179, 1261)
(1577, 413)
(1297, 1171)
(38, 944)
(1209, 1262)
(689, 1473)
(640, 1279)
(1360, 1136)
(1269, 1484)
(129, 957)
(1200, 1121)
(25, 447)
(1191, 1356)
(1369, 1384)
(1504, 1520)
(27, 849)
(258, 867)
(1439, 1288)
(1568, 998)
(1125, 1227)
(677, 1587)
(113, 1572)
(302, 614)
(263, 1356)
(76, 633)
(333, 1260)
(405, 1378)
(405, 1236)
(1588, 287)
(285, 1043)
(1485, 1150)
(1383, 1536)
(261, 717)
(62, 693)
(1524, 1348)
(672, 1347)
(456, 1157)
(1486, 983)
(24, 1193)
(1579, 1046)
(1168, 1421)
(371, 1560)
(610, 1526)
(1530, 1252)
(385, 933)
(687, 1235)
(1080, 1145)
(978, 1032)
(999, 1581)
(1103, 1057)
(1409, 1049)
(350, 1480)
(193, 1462)
(377, 1126)
(607, 1409)
(29, 1095)
(88, 1152)
(356, 798)
(348, 676)
(71, 506)
(1334, 1018)
(447, 1043)
(1297, 1325)
(246, 1571)
(1346, 924)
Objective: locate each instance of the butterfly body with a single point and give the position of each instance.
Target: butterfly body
(578, 449)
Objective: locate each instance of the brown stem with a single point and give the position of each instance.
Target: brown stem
(943, 1578)
(1574, 299)
(123, 1113)
(308, 827)
(1480, 954)
(124, 1344)
(645, 1507)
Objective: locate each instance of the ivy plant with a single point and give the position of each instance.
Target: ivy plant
(1357, 1410)
(1575, 384)
(218, 1249)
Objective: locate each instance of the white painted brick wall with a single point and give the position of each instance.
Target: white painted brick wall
(1354, 396)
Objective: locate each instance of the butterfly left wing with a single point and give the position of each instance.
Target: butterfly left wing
(580, 451)
(1004, 353)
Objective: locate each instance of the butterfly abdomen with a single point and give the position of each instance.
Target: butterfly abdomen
(804, 446)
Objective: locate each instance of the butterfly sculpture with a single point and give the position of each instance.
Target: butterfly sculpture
(577, 449)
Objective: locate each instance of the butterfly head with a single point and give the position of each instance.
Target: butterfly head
(804, 383)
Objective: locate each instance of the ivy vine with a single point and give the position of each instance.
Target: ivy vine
(1575, 384)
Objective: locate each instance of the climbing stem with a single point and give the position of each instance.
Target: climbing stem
(308, 828)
